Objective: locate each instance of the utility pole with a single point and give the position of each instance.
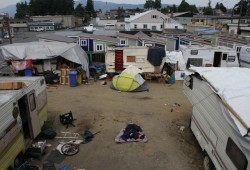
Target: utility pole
(6, 25)
(241, 6)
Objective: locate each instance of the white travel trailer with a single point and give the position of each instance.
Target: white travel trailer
(244, 57)
(220, 116)
(23, 111)
(209, 56)
(119, 58)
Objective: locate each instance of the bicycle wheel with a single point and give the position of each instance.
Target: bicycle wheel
(70, 149)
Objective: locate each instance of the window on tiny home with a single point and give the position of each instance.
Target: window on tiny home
(145, 26)
(83, 42)
(99, 47)
(135, 26)
(123, 42)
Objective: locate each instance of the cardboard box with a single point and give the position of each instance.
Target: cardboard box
(11, 85)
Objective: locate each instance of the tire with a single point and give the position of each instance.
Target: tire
(207, 163)
(70, 149)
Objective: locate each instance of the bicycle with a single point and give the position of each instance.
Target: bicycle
(70, 148)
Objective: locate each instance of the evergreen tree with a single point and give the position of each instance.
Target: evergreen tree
(217, 6)
(22, 10)
(208, 10)
(157, 4)
(90, 10)
(222, 8)
(245, 8)
(192, 8)
(183, 7)
(120, 13)
(79, 11)
(149, 4)
(174, 8)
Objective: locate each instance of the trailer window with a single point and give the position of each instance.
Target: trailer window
(236, 155)
(194, 52)
(231, 58)
(224, 57)
(32, 102)
(130, 58)
(195, 61)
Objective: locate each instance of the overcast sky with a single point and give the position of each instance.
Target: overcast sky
(226, 3)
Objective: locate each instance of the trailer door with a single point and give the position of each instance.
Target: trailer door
(217, 59)
(118, 60)
(224, 60)
(35, 123)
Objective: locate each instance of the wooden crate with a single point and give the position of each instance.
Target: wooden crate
(64, 80)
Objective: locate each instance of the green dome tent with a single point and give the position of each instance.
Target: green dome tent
(129, 83)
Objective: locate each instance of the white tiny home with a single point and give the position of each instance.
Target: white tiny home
(119, 58)
(220, 116)
(209, 56)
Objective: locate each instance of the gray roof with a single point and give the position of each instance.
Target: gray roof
(142, 36)
(67, 33)
(99, 38)
(106, 32)
(54, 37)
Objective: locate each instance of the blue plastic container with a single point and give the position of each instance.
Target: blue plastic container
(28, 72)
(72, 78)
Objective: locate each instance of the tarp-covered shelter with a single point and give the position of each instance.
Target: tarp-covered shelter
(44, 51)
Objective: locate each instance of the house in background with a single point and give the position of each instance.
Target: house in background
(141, 39)
(66, 21)
(95, 45)
(183, 18)
(151, 20)
(44, 26)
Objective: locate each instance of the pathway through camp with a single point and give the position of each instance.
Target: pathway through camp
(163, 113)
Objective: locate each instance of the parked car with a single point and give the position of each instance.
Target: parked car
(39, 29)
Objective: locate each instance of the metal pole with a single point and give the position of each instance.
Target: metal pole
(6, 20)
(241, 6)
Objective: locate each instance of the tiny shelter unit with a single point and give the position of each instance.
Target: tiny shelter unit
(220, 116)
(23, 111)
(119, 58)
(209, 56)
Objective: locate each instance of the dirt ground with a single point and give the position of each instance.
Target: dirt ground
(99, 108)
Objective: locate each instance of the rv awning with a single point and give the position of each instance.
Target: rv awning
(46, 50)
(232, 84)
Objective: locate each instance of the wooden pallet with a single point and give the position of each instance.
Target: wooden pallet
(64, 80)
(65, 71)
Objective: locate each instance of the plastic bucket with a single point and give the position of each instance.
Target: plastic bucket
(28, 72)
(72, 78)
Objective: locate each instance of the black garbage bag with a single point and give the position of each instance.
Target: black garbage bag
(51, 77)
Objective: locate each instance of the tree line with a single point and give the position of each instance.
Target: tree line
(54, 7)
(66, 7)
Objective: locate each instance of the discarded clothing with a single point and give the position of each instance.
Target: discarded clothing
(155, 56)
(132, 133)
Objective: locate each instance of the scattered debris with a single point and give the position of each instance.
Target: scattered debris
(103, 83)
(132, 133)
(182, 128)
(67, 119)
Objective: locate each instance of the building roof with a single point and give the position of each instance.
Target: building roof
(54, 37)
(99, 38)
(139, 15)
(140, 35)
